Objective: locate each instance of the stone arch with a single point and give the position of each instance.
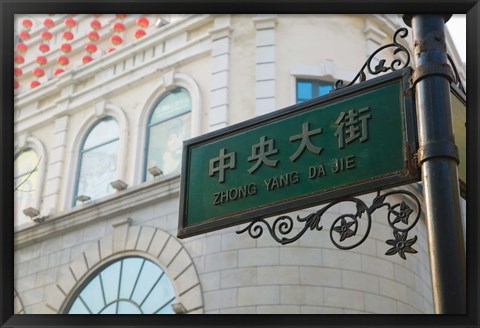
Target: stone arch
(101, 109)
(171, 80)
(154, 244)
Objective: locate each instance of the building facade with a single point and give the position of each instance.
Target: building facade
(104, 98)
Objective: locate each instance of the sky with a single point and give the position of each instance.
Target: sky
(457, 28)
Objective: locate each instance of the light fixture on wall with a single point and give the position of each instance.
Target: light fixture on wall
(161, 22)
(155, 171)
(178, 308)
(32, 213)
(82, 198)
(118, 185)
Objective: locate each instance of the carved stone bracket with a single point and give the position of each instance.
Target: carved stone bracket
(344, 230)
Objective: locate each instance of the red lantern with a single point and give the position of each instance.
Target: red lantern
(119, 27)
(41, 60)
(43, 47)
(21, 48)
(19, 59)
(86, 59)
(95, 24)
(24, 35)
(34, 84)
(58, 71)
(109, 50)
(67, 35)
(17, 71)
(38, 72)
(143, 22)
(62, 60)
(66, 48)
(121, 16)
(46, 35)
(139, 33)
(70, 22)
(27, 24)
(48, 23)
(116, 40)
(90, 48)
(15, 84)
(93, 36)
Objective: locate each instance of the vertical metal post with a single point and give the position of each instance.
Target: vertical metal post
(438, 157)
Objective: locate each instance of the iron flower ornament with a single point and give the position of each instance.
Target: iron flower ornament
(400, 244)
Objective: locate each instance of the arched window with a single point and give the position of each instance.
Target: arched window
(168, 126)
(98, 160)
(26, 183)
(132, 285)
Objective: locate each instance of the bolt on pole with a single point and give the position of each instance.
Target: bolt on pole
(438, 157)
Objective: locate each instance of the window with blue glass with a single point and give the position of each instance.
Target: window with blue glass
(98, 160)
(168, 125)
(132, 285)
(308, 89)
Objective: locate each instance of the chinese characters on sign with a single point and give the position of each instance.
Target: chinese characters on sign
(352, 124)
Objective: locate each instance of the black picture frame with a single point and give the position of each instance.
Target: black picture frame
(8, 8)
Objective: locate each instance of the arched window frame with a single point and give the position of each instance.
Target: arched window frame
(83, 151)
(171, 80)
(26, 142)
(101, 109)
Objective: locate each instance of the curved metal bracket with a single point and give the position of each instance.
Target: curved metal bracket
(396, 63)
(457, 80)
(345, 227)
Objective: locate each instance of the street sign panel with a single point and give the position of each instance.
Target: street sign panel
(351, 141)
(459, 113)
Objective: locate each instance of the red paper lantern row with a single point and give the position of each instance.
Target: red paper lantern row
(63, 60)
(86, 59)
(109, 50)
(24, 35)
(143, 22)
(67, 35)
(48, 23)
(34, 84)
(38, 72)
(70, 22)
(121, 16)
(46, 35)
(118, 27)
(19, 59)
(95, 24)
(21, 48)
(58, 71)
(41, 60)
(15, 84)
(139, 33)
(66, 48)
(27, 24)
(43, 47)
(17, 71)
(90, 48)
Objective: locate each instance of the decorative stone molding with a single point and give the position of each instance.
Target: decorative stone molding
(154, 244)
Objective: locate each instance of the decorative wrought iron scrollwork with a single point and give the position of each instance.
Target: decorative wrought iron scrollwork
(457, 80)
(396, 63)
(345, 227)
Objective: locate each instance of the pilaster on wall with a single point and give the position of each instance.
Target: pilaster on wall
(56, 163)
(220, 34)
(265, 64)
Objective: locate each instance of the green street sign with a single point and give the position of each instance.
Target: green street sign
(351, 141)
(459, 113)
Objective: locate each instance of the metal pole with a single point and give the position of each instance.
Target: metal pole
(438, 157)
